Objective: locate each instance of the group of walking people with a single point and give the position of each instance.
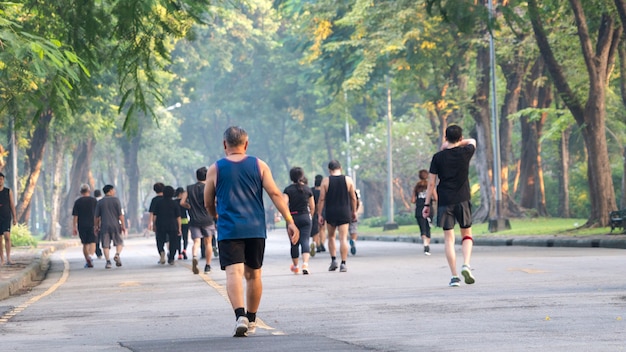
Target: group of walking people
(333, 204)
(175, 214)
(227, 201)
(99, 222)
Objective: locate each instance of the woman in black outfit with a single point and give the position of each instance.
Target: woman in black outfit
(301, 205)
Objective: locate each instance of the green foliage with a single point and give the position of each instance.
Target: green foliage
(403, 219)
(21, 236)
(519, 227)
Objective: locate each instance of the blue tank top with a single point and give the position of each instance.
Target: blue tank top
(239, 198)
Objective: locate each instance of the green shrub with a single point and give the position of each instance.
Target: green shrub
(21, 236)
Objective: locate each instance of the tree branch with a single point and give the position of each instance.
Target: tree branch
(556, 71)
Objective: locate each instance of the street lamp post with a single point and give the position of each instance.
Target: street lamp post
(391, 224)
(348, 156)
(498, 223)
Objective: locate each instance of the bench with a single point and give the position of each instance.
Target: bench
(618, 219)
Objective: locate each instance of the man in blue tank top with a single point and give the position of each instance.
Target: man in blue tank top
(234, 195)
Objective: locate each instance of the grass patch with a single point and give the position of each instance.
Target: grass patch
(519, 227)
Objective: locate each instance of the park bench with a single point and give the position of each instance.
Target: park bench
(618, 219)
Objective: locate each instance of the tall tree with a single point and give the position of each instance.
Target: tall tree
(590, 115)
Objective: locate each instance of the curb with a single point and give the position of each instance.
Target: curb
(615, 243)
(34, 272)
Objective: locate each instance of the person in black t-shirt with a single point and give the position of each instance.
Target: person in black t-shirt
(451, 166)
(83, 214)
(160, 242)
(167, 222)
(301, 205)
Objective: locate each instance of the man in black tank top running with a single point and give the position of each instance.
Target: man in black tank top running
(337, 206)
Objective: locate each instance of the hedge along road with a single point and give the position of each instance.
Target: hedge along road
(393, 298)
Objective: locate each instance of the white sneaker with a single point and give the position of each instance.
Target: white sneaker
(466, 271)
(252, 327)
(241, 327)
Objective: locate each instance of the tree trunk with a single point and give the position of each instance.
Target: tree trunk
(623, 197)
(79, 174)
(532, 190)
(514, 72)
(34, 153)
(564, 210)
(371, 195)
(590, 117)
(131, 151)
(58, 143)
(484, 151)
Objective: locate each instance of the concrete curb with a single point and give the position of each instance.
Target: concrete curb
(34, 272)
(616, 243)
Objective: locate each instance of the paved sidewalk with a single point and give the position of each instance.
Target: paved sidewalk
(31, 264)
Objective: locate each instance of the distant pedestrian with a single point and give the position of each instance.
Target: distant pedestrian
(201, 223)
(184, 221)
(7, 218)
(110, 225)
(167, 221)
(98, 250)
(337, 207)
(234, 191)
(318, 232)
(354, 227)
(419, 199)
(83, 216)
(301, 204)
(451, 166)
(160, 241)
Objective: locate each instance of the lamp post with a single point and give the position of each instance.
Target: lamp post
(348, 156)
(498, 223)
(391, 224)
(13, 146)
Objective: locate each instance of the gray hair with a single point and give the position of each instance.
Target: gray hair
(84, 188)
(235, 136)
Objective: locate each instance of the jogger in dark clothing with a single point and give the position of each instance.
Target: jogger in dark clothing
(168, 224)
(338, 204)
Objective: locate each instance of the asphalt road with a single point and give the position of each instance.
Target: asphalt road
(393, 298)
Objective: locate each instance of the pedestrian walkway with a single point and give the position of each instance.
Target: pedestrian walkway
(31, 264)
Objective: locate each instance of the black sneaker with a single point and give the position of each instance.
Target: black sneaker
(426, 250)
(207, 269)
(455, 282)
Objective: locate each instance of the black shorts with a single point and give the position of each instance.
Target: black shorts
(315, 226)
(5, 226)
(448, 214)
(87, 236)
(249, 251)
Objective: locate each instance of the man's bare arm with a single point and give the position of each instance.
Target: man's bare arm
(209, 191)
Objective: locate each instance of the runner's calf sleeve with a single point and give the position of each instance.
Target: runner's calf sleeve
(467, 238)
